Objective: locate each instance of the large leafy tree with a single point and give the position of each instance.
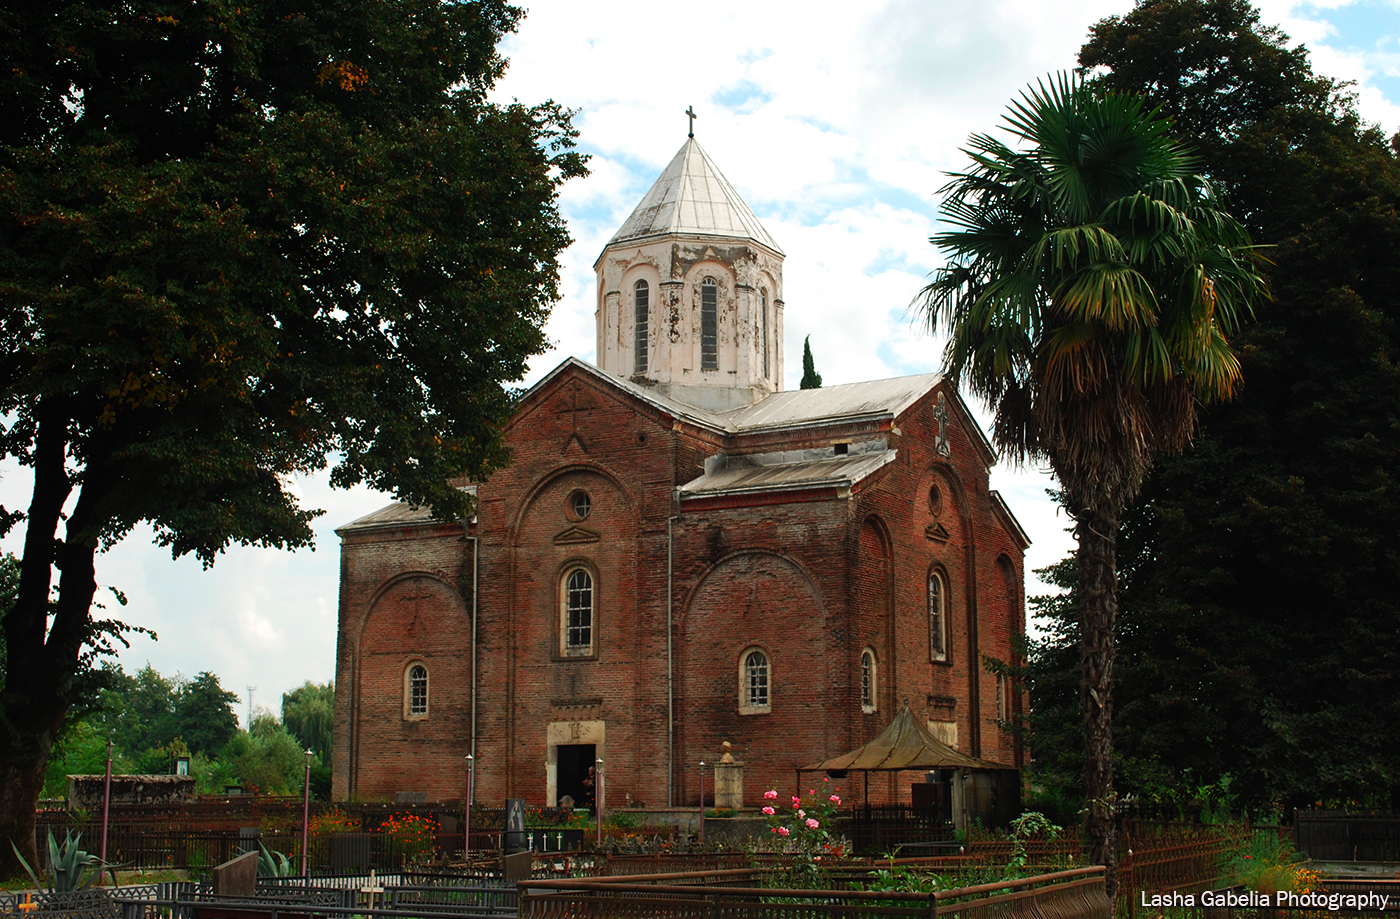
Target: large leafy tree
(1092, 277)
(309, 714)
(1261, 619)
(237, 239)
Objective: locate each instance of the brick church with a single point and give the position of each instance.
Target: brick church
(682, 554)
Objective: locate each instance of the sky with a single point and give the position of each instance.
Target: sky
(835, 123)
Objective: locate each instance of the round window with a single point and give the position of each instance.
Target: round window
(935, 500)
(580, 505)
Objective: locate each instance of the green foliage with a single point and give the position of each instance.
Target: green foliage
(1264, 862)
(904, 879)
(146, 709)
(1091, 282)
(1260, 600)
(267, 760)
(1024, 827)
(239, 243)
(623, 820)
(204, 713)
(273, 864)
(309, 715)
(70, 868)
(810, 378)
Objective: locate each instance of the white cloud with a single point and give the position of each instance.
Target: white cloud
(835, 122)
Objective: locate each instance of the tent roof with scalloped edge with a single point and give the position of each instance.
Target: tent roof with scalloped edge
(905, 744)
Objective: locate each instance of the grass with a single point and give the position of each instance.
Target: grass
(124, 877)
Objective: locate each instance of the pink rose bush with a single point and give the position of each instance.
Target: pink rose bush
(805, 829)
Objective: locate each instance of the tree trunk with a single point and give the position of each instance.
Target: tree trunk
(43, 640)
(23, 759)
(1097, 532)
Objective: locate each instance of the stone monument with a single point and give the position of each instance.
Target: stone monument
(729, 780)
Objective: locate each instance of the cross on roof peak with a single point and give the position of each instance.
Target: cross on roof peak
(690, 110)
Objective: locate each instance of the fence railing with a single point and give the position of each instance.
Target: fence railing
(1334, 836)
(1075, 894)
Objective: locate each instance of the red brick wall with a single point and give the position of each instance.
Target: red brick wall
(400, 602)
(811, 582)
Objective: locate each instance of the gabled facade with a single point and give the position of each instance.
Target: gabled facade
(681, 555)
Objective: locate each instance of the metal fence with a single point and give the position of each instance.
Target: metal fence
(874, 829)
(1334, 836)
(149, 847)
(1064, 895)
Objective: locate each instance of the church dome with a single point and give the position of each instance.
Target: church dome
(693, 198)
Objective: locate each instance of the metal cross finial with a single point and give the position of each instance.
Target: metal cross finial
(690, 110)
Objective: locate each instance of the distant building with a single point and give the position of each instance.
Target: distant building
(681, 554)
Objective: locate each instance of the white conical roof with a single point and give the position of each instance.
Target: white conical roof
(692, 198)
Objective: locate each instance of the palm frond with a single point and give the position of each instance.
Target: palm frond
(1092, 279)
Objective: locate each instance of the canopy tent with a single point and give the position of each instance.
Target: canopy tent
(905, 744)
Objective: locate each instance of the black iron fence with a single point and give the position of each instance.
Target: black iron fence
(875, 829)
(1334, 836)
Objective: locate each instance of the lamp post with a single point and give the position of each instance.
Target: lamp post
(702, 800)
(598, 798)
(106, 803)
(467, 838)
(305, 811)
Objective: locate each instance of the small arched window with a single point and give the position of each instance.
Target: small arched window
(641, 296)
(577, 609)
(755, 688)
(415, 692)
(763, 328)
(937, 618)
(709, 324)
(868, 686)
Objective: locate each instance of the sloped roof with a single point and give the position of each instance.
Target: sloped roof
(842, 470)
(693, 198)
(398, 514)
(905, 744)
(805, 406)
(782, 409)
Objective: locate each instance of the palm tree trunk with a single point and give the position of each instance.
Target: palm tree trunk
(1097, 531)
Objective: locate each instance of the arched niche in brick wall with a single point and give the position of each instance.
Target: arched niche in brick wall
(746, 600)
(414, 617)
(577, 518)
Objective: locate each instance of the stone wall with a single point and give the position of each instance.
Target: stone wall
(86, 791)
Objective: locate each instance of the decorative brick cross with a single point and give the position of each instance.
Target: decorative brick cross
(573, 409)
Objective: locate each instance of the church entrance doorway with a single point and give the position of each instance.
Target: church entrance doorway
(574, 776)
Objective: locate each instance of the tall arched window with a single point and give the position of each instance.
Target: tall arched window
(754, 686)
(709, 324)
(868, 686)
(763, 328)
(577, 603)
(937, 618)
(415, 692)
(641, 295)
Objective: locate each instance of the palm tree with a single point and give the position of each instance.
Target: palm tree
(1091, 281)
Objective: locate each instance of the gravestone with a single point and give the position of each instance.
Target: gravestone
(514, 839)
(518, 867)
(237, 877)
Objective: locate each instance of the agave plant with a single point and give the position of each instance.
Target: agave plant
(273, 864)
(70, 868)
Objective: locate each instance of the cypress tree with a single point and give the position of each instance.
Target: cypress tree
(810, 378)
